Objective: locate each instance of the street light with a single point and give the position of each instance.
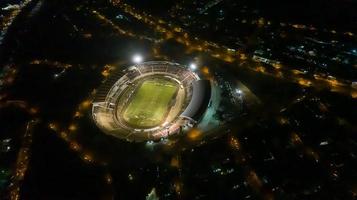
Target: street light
(137, 58)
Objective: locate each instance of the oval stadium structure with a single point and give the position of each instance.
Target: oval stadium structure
(150, 101)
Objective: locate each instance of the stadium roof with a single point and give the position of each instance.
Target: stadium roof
(201, 96)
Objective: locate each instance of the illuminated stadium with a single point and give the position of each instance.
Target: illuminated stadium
(150, 101)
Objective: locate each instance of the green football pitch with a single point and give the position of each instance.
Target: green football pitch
(150, 103)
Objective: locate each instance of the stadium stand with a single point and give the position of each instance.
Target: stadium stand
(105, 103)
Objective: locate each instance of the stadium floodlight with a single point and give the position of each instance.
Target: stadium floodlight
(193, 66)
(137, 58)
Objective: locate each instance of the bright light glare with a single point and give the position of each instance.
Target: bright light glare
(193, 66)
(137, 58)
(149, 143)
(238, 91)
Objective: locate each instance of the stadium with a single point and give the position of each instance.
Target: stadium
(150, 101)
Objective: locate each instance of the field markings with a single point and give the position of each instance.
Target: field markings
(150, 103)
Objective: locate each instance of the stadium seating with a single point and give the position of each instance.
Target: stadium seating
(112, 89)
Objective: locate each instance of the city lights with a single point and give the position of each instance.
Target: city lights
(185, 100)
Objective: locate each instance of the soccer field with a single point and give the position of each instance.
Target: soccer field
(150, 103)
